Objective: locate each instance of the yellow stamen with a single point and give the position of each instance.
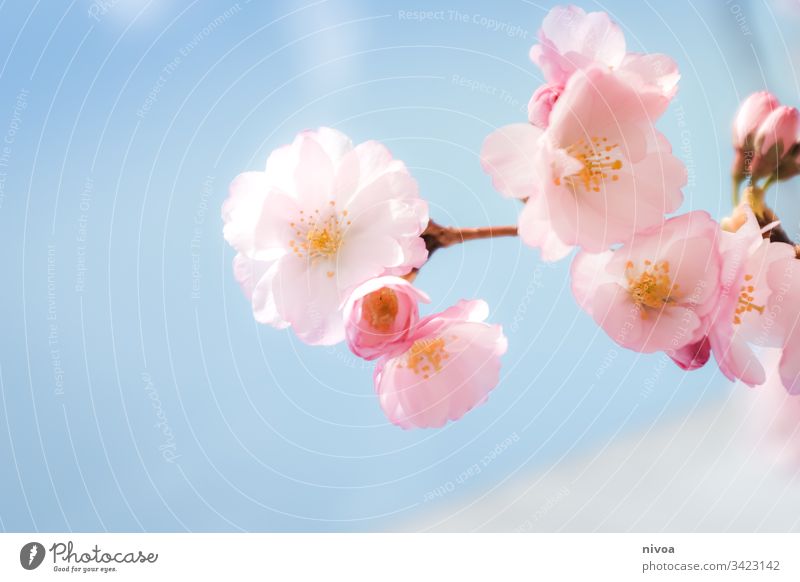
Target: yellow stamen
(319, 238)
(426, 354)
(652, 287)
(598, 164)
(745, 303)
(380, 309)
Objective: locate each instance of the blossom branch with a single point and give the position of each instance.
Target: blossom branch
(437, 236)
(776, 233)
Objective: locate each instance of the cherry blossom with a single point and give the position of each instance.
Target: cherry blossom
(571, 39)
(599, 173)
(329, 237)
(653, 293)
(451, 363)
(321, 219)
(379, 316)
(751, 274)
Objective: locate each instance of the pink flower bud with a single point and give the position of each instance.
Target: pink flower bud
(379, 316)
(778, 129)
(751, 114)
(541, 104)
(692, 356)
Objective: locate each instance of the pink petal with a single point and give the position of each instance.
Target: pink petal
(242, 208)
(535, 230)
(571, 39)
(507, 156)
(468, 370)
(364, 257)
(737, 360)
(314, 174)
(307, 296)
(655, 77)
(588, 272)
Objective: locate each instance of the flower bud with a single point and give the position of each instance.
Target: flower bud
(542, 102)
(774, 140)
(751, 114)
(692, 356)
(380, 315)
(778, 129)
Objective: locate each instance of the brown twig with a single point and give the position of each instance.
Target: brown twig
(437, 236)
(776, 233)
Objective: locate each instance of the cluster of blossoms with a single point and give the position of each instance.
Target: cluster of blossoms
(329, 236)
(595, 173)
(324, 237)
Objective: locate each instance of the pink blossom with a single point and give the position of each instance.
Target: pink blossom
(451, 364)
(541, 104)
(572, 40)
(751, 114)
(750, 284)
(653, 293)
(321, 219)
(598, 174)
(379, 316)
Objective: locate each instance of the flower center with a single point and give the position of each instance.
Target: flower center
(745, 303)
(380, 309)
(323, 241)
(318, 238)
(426, 356)
(598, 164)
(652, 286)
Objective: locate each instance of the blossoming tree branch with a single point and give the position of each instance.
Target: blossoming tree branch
(330, 236)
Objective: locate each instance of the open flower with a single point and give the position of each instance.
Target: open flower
(379, 316)
(653, 293)
(451, 363)
(598, 174)
(753, 269)
(571, 39)
(322, 218)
